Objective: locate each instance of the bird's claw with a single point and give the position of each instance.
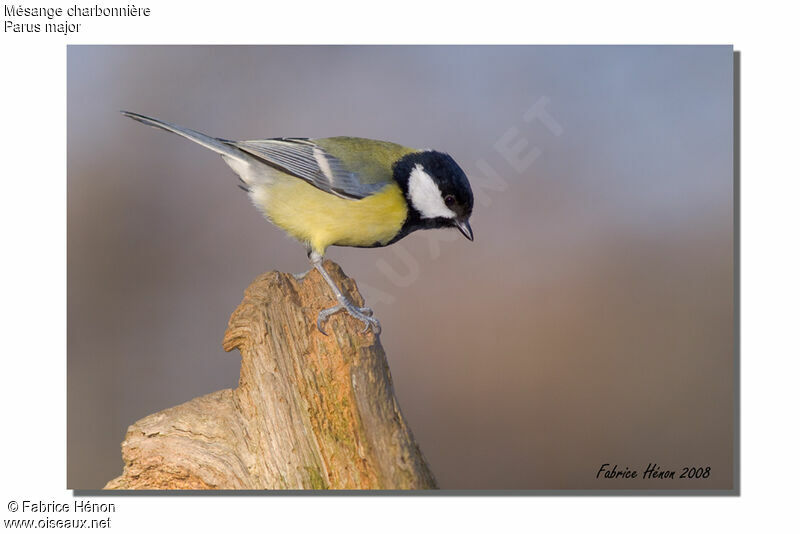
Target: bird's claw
(362, 314)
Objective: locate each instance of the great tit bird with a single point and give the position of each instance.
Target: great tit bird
(344, 191)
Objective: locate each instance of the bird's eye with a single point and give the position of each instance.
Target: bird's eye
(449, 200)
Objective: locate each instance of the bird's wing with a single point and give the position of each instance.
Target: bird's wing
(309, 161)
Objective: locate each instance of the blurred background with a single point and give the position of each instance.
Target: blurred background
(591, 321)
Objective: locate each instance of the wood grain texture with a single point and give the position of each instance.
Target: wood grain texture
(310, 412)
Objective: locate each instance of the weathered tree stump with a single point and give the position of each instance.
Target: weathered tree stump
(310, 412)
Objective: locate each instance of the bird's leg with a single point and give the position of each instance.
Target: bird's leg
(362, 314)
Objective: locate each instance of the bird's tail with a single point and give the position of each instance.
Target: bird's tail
(244, 165)
(201, 139)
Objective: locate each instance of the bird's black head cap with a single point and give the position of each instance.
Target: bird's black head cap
(437, 191)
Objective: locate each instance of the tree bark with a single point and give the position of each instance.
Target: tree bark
(310, 412)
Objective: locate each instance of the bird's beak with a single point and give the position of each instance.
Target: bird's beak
(465, 228)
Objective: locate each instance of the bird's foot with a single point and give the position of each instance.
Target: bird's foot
(362, 314)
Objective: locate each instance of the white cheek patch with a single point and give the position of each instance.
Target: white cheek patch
(425, 195)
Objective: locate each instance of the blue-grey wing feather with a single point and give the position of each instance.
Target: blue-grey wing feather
(304, 159)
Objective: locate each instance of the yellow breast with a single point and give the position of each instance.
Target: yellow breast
(321, 219)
